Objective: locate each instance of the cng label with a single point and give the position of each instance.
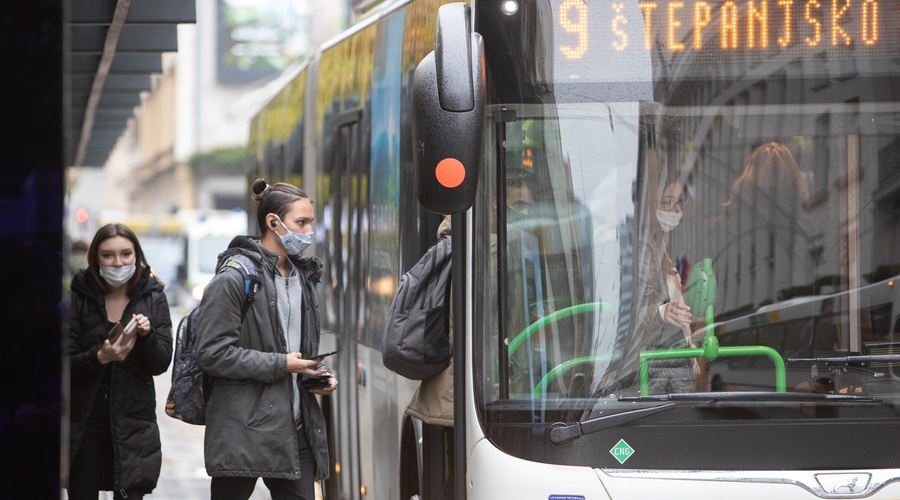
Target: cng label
(621, 451)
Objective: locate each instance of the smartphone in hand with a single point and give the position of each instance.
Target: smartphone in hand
(115, 332)
(130, 327)
(315, 381)
(320, 355)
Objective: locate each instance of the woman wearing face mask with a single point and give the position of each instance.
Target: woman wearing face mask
(260, 421)
(668, 318)
(659, 319)
(114, 438)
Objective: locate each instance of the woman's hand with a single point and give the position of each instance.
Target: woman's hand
(678, 314)
(142, 326)
(117, 350)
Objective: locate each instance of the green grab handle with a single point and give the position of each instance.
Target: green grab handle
(565, 365)
(563, 313)
(699, 352)
(554, 316)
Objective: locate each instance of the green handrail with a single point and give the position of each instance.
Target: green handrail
(710, 350)
(554, 316)
(565, 365)
(701, 352)
(563, 313)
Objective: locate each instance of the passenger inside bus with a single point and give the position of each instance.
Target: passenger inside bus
(761, 235)
(520, 286)
(432, 403)
(660, 318)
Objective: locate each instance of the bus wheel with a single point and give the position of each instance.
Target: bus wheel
(410, 487)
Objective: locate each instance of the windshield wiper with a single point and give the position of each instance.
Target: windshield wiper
(856, 358)
(561, 433)
(712, 397)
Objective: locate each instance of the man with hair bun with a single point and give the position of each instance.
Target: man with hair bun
(260, 421)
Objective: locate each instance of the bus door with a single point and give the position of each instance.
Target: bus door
(342, 216)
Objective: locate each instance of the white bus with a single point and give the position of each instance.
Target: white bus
(547, 128)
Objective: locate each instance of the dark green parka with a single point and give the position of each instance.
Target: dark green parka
(250, 429)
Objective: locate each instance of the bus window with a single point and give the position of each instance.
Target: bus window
(797, 337)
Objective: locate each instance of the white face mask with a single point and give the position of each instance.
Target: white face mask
(294, 243)
(668, 220)
(117, 276)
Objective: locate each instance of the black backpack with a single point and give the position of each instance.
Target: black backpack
(190, 386)
(415, 343)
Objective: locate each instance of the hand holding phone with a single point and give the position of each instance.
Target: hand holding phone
(321, 355)
(115, 332)
(316, 382)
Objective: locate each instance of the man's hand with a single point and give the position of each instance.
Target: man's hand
(297, 364)
(324, 391)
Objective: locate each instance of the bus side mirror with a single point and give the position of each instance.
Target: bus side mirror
(448, 113)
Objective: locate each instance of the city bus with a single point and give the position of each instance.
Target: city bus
(550, 130)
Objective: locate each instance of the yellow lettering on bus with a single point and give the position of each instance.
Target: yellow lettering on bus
(836, 30)
(785, 39)
(729, 29)
(816, 24)
(870, 22)
(674, 23)
(577, 27)
(702, 18)
(648, 8)
(618, 21)
(758, 17)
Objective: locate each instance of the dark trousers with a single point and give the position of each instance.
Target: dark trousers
(437, 451)
(241, 488)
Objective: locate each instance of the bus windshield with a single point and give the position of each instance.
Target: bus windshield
(724, 242)
(642, 252)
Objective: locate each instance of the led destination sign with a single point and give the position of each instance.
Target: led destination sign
(723, 30)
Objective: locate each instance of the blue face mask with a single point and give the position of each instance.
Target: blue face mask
(294, 243)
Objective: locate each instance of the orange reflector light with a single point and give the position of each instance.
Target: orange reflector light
(450, 172)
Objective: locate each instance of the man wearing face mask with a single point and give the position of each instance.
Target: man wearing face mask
(260, 421)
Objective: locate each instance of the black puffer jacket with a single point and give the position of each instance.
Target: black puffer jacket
(132, 396)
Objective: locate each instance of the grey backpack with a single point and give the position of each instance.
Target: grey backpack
(415, 343)
(191, 387)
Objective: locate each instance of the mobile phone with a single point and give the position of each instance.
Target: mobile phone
(114, 332)
(316, 382)
(321, 355)
(130, 327)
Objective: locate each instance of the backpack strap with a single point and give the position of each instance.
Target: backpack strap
(247, 269)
